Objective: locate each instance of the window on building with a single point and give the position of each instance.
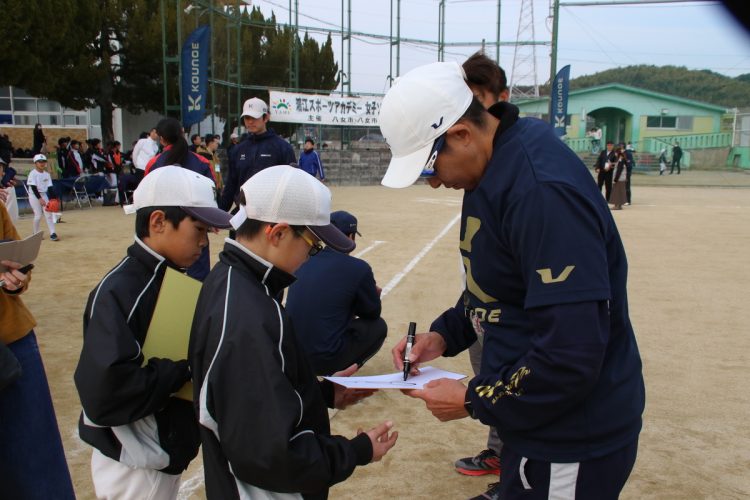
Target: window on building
(45, 105)
(24, 119)
(24, 104)
(673, 122)
(685, 122)
(4, 104)
(74, 119)
(4, 91)
(661, 122)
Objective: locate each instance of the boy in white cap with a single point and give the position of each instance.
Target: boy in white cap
(39, 181)
(260, 150)
(560, 374)
(143, 437)
(263, 414)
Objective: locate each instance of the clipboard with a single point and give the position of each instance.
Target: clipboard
(168, 333)
(23, 251)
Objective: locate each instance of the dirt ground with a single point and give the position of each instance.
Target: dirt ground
(687, 248)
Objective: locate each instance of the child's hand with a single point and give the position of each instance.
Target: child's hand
(381, 441)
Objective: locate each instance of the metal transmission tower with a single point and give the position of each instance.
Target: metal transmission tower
(524, 56)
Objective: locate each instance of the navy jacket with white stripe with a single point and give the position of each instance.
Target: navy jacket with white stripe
(263, 415)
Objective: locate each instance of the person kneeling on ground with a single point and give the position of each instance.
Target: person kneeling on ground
(263, 414)
(337, 324)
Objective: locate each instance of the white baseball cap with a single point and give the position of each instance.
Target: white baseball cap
(418, 109)
(175, 186)
(39, 157)
(254, 107)
(287, 194)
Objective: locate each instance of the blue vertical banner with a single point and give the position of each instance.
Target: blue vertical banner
(559, 102)
(195, 54)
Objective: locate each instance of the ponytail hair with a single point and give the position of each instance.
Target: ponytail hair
(170, 130)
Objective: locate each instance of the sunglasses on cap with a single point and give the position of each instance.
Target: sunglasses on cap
(429, 167)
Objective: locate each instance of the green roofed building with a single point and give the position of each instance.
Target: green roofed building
(651, 121)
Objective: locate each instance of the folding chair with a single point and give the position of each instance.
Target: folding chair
(80, 192)
(22, 199)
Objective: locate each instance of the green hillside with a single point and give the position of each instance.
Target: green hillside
(701, 85)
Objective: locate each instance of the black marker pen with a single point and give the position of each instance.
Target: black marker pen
(409, 344)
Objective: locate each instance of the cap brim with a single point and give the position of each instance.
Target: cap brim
(403, 171)
(333, 237)
(251, 115)
(214, 217)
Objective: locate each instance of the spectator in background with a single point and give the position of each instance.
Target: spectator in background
(32, 459)
(263, 148)
(6, 148)
(629, 155)
(234, 139)
(619, 191)
(114, 168)
(663, 161)
(74, 163)
(145, 149)
(309, 160)
(486, 79)
(97, 157)
(196, 143)
(604, 166)
(62, 156)
(40, 141)
(7, 174)
(176, 152)
(676, 158)
(208, 151)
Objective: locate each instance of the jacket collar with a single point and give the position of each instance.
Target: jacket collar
(236, 255)
(148, 257)
(260, 137)
(507, 113)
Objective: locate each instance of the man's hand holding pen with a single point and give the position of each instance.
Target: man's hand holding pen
(444, 397)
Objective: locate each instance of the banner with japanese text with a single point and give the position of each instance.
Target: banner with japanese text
(317, 109)
(195, 54)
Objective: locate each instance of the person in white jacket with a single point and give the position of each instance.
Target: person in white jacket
(145, 149)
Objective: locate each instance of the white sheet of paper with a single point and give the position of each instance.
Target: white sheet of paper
(23, 251)
(396, 380)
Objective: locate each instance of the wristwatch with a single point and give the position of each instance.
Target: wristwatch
(468, 406)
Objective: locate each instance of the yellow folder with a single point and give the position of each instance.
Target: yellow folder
(169, 332)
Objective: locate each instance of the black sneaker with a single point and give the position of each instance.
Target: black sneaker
(53, 237)
(487, 462)
(492, 493)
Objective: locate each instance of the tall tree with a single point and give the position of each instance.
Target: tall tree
(107, 53)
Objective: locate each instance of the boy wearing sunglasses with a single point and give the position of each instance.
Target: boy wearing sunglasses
(263, 413)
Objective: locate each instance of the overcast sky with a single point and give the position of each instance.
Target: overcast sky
(698, 35)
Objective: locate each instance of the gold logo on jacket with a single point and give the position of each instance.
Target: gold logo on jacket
(472, 227)
(546, 275)
(501, 389)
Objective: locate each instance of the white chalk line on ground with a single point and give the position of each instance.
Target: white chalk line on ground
(375, 243)
(191, 485)
(396, 279)
(452, 202)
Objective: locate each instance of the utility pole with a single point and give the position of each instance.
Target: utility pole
(441, 31)
(553, 53)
